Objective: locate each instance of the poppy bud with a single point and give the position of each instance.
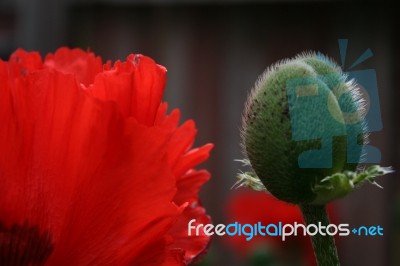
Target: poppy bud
(303, 131)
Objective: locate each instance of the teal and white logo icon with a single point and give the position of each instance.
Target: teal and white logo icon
(332, 104)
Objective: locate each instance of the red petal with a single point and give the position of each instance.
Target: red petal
(189, 186)
(21, 63)
(195, 246)
(74, 167)
(84, 65)
(136, 85)
(192, 158)
(182, 159)
(181, 142)
(104, 186)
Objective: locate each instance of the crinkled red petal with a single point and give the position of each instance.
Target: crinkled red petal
(98, 183)
(84, 65)
(194, 245)
(136, 86)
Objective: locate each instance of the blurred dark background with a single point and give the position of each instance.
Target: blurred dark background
(214, 52)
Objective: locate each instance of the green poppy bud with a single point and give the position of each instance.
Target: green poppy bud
(297, 126)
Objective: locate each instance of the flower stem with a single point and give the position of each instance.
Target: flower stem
(324, 246)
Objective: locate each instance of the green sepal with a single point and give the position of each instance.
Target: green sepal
(340, 184)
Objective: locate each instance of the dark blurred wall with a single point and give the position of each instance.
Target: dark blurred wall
(214, 52)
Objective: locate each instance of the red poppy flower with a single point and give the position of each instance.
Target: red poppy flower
(248, 206)
(92, 169)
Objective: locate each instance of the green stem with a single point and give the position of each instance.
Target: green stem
(324, 246)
